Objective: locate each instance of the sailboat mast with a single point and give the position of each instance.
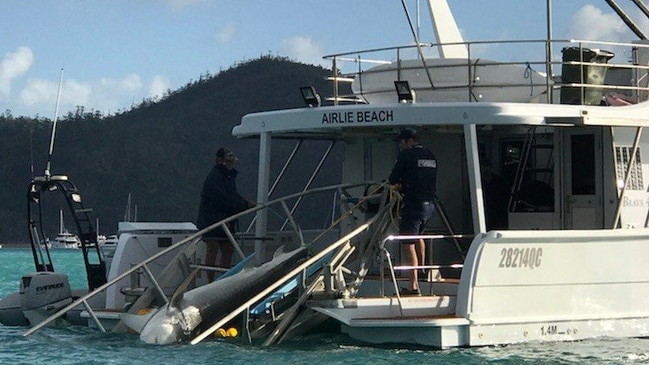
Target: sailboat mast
(56, 116)
(548, 49)
(61, 225)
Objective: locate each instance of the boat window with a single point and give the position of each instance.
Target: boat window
(528, 167)
(583, 164)
(164, 242)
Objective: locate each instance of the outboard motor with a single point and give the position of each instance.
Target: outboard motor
(43, 294)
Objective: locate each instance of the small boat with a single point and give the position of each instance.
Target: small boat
(137, 242)
(65, 239)
(108, 245)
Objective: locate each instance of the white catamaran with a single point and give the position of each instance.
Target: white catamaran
(564, 260)
(568, 262)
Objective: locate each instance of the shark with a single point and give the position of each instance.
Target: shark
(189, 313)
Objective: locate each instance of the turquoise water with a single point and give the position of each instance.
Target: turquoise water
(77, 345)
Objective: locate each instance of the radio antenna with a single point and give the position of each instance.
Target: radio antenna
(56, 117)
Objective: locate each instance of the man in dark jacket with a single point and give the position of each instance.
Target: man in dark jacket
(415, 174)
(219, 200)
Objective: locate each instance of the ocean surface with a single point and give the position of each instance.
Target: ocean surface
(80, 345)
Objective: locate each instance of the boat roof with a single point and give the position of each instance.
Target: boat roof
(333, 121)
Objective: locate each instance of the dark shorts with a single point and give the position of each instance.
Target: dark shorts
(414, 218)
(219, 233)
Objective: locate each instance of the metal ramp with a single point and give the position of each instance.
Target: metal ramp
(181, 265)
(328, 282)
(335, 271)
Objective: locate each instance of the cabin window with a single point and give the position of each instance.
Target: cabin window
(622, 158)
(164, 242)
(528, 167)
(583, 164)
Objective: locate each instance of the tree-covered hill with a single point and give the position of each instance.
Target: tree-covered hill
(159, 152)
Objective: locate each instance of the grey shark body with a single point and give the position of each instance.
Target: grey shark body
(191, 312)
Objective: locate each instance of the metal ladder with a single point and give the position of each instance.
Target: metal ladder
(523, 171)
(92, 257)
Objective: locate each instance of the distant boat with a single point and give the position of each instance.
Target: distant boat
(65, 239)
(109, 241)
(107, 244)
(46, 243)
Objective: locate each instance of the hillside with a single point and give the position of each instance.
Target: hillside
(159, 152)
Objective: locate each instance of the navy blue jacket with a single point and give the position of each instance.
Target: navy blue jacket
(416, 171)
(219, 197)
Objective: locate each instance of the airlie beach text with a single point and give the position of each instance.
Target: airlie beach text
(358, 117)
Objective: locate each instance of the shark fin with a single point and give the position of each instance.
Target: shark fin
(278, 252)
(181, 289)
(136, 322)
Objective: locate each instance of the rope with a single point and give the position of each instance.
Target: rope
(473, 78)
(348, 212)
(527, 74)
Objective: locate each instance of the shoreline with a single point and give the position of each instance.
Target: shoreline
(14, 245)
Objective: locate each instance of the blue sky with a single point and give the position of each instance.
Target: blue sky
(118, 52)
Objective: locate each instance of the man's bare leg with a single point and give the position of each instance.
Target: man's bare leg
(421, 253)
(411, 258)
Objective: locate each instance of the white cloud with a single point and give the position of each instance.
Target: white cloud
(13, 65)
(590, 23)
(109, 95)
(225, 34)
(303, 49)
(41, 95)
(39, 91)
(106, 95)
(159, 86)
(75, 93)
(129, 83)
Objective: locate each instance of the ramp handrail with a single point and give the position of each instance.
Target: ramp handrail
(190, 241)
(282, 280)
(386, 257)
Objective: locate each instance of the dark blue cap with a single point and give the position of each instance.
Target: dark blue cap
(406, 133)
(225, 152)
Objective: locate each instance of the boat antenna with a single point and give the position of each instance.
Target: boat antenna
(625, 18)
(31, 151)
(642, 7)
(418, 21)
(417, 44)
(548, 48)
(56, 116)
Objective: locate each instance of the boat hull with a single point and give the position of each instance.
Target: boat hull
(519, 286)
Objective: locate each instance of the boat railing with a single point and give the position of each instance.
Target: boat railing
(386, 259)
(338, 244)
(349, 66)
(186, 247)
